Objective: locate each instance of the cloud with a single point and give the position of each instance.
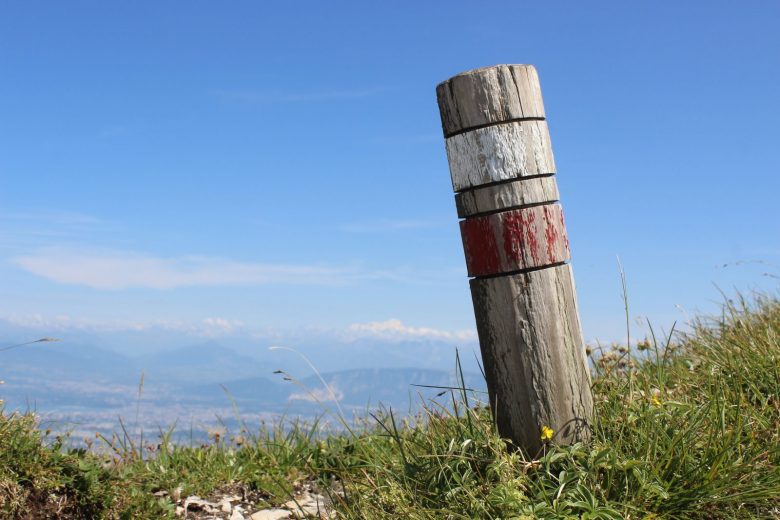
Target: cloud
(392, 330)
(318, 395)
(112, 269)
(222, 325)
(208, 327)
(395, 330)
(26, 229)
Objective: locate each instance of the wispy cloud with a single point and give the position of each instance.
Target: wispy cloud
(318, 395)
(112, 269)
(210, 327)
(380, 225)
(31, 229)
(70, 218)
(396, 330)
(260, 96)
(392, 330)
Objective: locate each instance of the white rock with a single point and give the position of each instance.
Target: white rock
(225, 505)
(196, 503)
(237, 514)
(308, 505)
(271, 514)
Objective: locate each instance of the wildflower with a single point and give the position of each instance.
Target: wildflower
(217, 434)
(654, 393)
(547, 433)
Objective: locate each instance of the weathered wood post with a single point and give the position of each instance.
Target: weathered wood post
(516, 248)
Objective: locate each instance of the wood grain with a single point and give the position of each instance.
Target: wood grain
(515, 240)
(498, 153)
(510, 195)
(533, 355)
(489, 95)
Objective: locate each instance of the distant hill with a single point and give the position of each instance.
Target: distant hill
(207, 362)
(78, 382)
(68, 360)
(391, 386)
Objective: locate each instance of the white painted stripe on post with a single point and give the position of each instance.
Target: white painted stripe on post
(498, 153)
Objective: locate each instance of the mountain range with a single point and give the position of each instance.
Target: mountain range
(84, 388)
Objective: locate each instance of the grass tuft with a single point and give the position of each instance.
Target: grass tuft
(687, 427)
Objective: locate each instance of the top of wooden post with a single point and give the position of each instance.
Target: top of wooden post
(490, 95)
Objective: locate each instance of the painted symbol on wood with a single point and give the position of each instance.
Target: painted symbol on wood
(515, 240)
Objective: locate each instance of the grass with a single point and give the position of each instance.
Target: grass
(685, 428)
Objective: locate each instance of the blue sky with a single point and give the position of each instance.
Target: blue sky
(281, 165)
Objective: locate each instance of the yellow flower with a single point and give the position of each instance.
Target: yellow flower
(547, 433)
(656, 401)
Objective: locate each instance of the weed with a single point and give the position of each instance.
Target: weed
(687, 427)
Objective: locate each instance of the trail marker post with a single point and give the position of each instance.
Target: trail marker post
(516, 249)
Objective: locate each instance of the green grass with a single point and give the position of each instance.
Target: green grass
(688, 428)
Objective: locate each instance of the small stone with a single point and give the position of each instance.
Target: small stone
(225, 505)
(271, 514)
(298, 503)
(313, 504)
(195, 503)
(237, 514)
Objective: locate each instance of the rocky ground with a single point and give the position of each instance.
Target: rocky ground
(240, 504)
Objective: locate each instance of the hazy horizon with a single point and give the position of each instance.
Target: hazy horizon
(255, 175)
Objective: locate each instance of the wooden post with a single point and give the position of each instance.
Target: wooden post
(514, 238)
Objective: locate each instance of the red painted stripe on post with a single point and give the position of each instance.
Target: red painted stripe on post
(479, 243)
(529, 238)
(520, 238)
